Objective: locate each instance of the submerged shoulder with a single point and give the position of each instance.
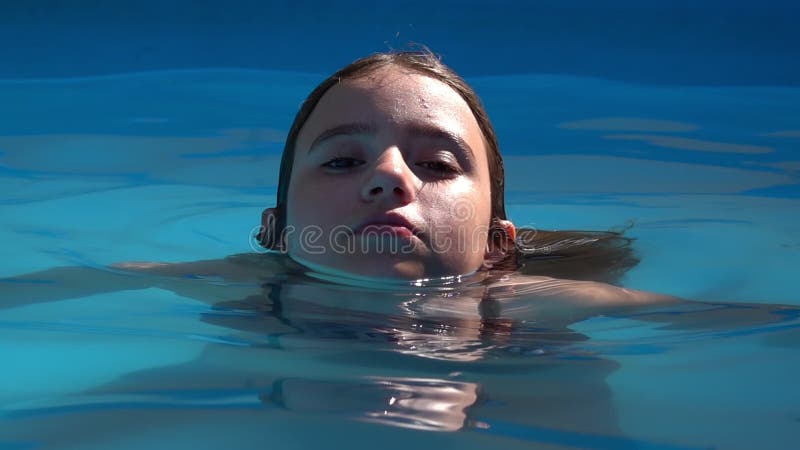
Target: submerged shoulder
(575, 292)
(240, 267)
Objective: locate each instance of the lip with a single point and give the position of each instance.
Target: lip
(389, 223)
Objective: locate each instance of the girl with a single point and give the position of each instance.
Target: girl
(392, 170)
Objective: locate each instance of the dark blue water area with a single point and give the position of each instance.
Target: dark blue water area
(713, 42)
(780, 191)
(18, 445)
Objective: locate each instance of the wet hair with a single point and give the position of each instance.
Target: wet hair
(577, 255)
(601, 256)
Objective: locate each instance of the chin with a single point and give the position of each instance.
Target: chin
(407, 270)
(384, 267)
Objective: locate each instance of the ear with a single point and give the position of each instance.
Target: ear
(501, 241)
(268, 235)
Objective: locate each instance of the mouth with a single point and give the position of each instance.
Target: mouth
(388, 224)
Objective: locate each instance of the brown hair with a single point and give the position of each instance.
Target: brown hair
(565, 254)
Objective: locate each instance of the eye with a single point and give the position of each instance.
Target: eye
(340, 163)
(441, 168)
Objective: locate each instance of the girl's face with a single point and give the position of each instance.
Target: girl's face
(390, 180)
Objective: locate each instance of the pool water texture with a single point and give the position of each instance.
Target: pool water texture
(176, 165)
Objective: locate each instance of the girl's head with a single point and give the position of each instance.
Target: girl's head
(392, 169)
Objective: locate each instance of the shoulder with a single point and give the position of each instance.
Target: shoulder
(239, 268)
(575, 292)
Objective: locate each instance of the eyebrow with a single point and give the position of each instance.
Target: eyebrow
(414, 129)
(433, 132)
(349, 129)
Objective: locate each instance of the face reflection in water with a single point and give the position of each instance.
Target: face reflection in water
(418, 403)
(434, 334)
(390, 180)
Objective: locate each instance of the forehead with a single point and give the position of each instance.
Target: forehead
(393, 97)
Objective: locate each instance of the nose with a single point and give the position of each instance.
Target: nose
(391, 180)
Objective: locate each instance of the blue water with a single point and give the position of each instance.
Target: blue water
(154, 135)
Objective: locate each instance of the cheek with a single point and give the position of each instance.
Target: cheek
(463, 202)
(459, 213)
(316, 200)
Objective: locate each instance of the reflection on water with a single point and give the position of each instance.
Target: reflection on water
(682, 143)
(502, 362)
(629, 124)
(459, 323)
(418, 403)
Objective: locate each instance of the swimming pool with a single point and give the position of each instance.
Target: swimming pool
(174, 163)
